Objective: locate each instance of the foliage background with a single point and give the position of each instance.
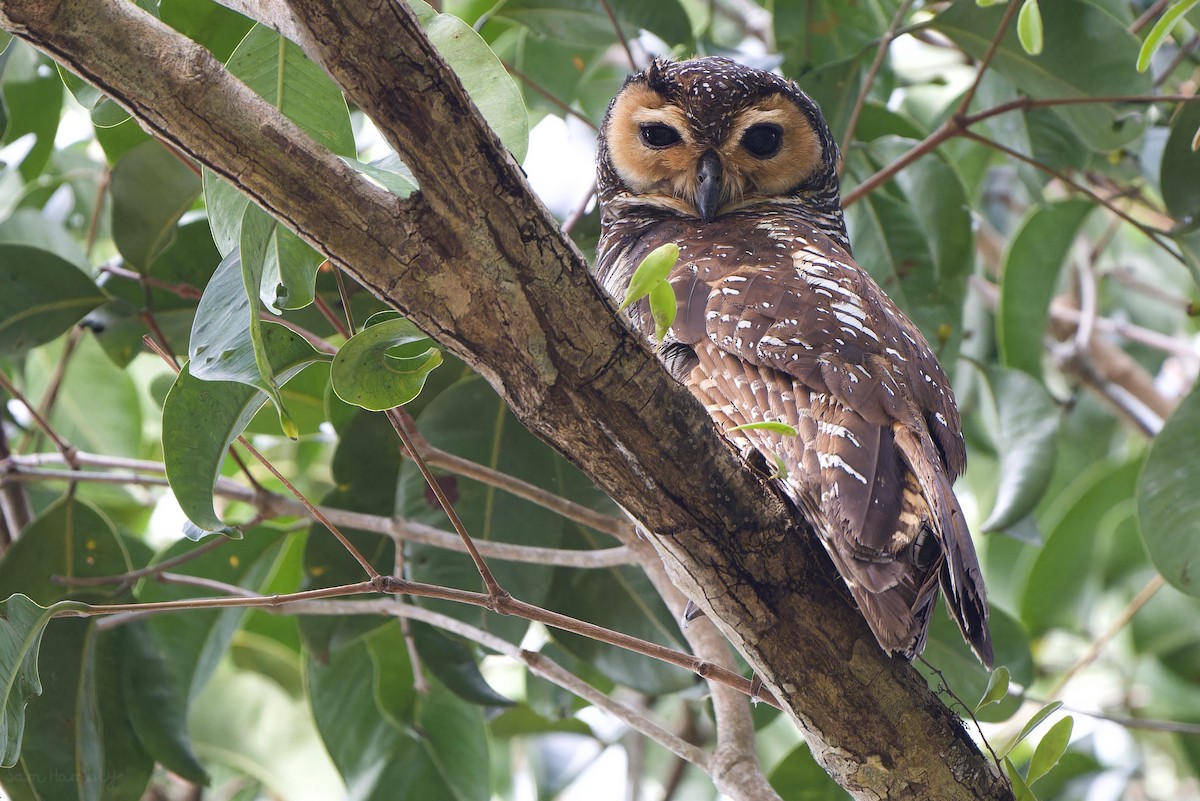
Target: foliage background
(1049, 251)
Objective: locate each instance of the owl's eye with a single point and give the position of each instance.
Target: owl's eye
(762, 141)
(658, 135)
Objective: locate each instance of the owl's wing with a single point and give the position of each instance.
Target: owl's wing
(788, 328)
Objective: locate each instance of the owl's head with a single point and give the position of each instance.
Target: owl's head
(708, 136)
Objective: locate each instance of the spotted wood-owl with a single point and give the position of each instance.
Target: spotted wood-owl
(776, 322)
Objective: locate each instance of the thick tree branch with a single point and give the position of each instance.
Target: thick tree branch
(477, 261)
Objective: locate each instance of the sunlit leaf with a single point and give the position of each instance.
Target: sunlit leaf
(1051, 748)
(1029, 27)
(1161, 30)
(652, 270)
(1035, 721)
(663, 308)
(997, 688)
(1020, 789)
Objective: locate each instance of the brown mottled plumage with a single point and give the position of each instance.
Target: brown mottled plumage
(776, 322)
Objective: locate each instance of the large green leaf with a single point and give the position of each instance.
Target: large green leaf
(471, 421)
(41, 296)
(151, 189)
(482, 74)
(1077, 524)
(1032, 265)
(33, 95)
(387, 742)
(1168, 506)
(1087, 54)
(202, 418)
(1025, 435)
(914, 238)
(824, 31)
(22, 623)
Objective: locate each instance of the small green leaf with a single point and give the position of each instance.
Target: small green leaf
(654, 269)
(997, 688)
(781, 469)
(1035, 721)
(41, 296)
(384, 365)
(1158, 34)
(22, 623)
(1050, 749)
(663, 307)
(1020, 789)
(1029, 27)
(389, 172)
(766, 425)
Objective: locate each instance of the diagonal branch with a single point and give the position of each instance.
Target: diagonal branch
(476, 261)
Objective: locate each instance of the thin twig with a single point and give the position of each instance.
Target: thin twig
(579, 211)
(312, 510)
(273, 505)
(880, 52)
(185, 291)
(1152, 234)
(1148, 16)
(493, 587)
(546, 93)
(344, 294)
(329, 314)
(612, 17)
(1009, 11)
(63, 447)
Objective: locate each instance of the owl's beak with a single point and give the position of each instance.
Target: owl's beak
(708, 186)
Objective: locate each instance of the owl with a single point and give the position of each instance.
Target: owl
(776, 322)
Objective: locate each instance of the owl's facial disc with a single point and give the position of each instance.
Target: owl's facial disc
(704, 156)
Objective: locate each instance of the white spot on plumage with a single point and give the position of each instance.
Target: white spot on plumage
(827, 460)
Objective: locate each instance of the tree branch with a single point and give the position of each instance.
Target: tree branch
(477, 261)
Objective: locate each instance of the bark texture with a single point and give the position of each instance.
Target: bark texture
(477, 261)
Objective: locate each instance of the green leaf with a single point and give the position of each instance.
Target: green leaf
(1179, 175)
(202, 418)
(41, 296)
(768, 425)
(157, 702)
(1161, 30)
(960, 668)
(1088, 52)
(652, 270)
(1051, 748)
(22, 623)
(384, 365)
(258, 229)
(915, 239)
(151, 189)
(34, 107)
(1029, 27)
(1021, 790)
(1168, 506)
(1056, 589)
(1032, 265)
(997, 688)
(587, 23)
(663, 308)
(278, 71)
(380, 759)
(1026, 437)
(453, 663)
(798, 777)
(104, 112)
(482, 74)
(1035, 721)
(390, 172)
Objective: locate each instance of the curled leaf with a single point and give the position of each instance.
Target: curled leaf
(1029, 27)
(653, 270)
(662, 308)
